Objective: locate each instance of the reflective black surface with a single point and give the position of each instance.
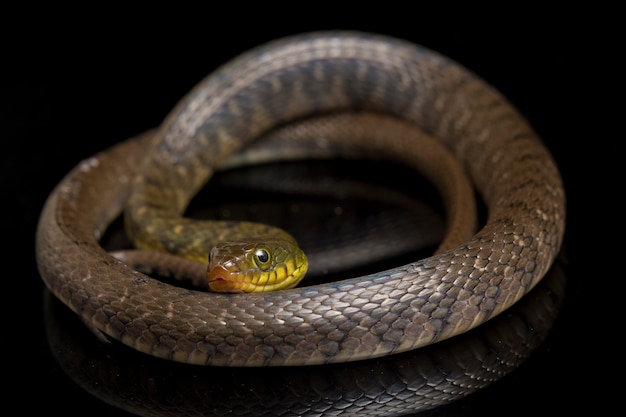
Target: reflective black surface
(80, 87)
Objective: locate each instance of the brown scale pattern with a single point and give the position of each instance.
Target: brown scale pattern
(391, 311)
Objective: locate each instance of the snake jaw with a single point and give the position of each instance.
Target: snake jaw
(223, 271)
(222, 280)
(226, 272)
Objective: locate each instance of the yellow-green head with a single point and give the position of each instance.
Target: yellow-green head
(265, 265)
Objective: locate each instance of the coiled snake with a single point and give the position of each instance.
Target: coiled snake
(365, 317)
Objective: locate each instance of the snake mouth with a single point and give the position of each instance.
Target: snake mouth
(221, 280)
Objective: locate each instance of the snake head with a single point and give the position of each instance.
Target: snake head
(269, 265)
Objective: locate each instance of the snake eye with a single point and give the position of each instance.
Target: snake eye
(262, 258)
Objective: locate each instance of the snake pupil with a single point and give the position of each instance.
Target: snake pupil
(262, 255)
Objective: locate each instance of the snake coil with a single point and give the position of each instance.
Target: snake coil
(387, 312)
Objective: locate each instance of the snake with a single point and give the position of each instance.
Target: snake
(358, 318)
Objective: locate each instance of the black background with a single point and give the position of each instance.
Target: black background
(77, 83)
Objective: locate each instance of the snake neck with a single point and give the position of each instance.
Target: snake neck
(192, 238)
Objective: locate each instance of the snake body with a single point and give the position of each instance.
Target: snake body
(387, 312)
